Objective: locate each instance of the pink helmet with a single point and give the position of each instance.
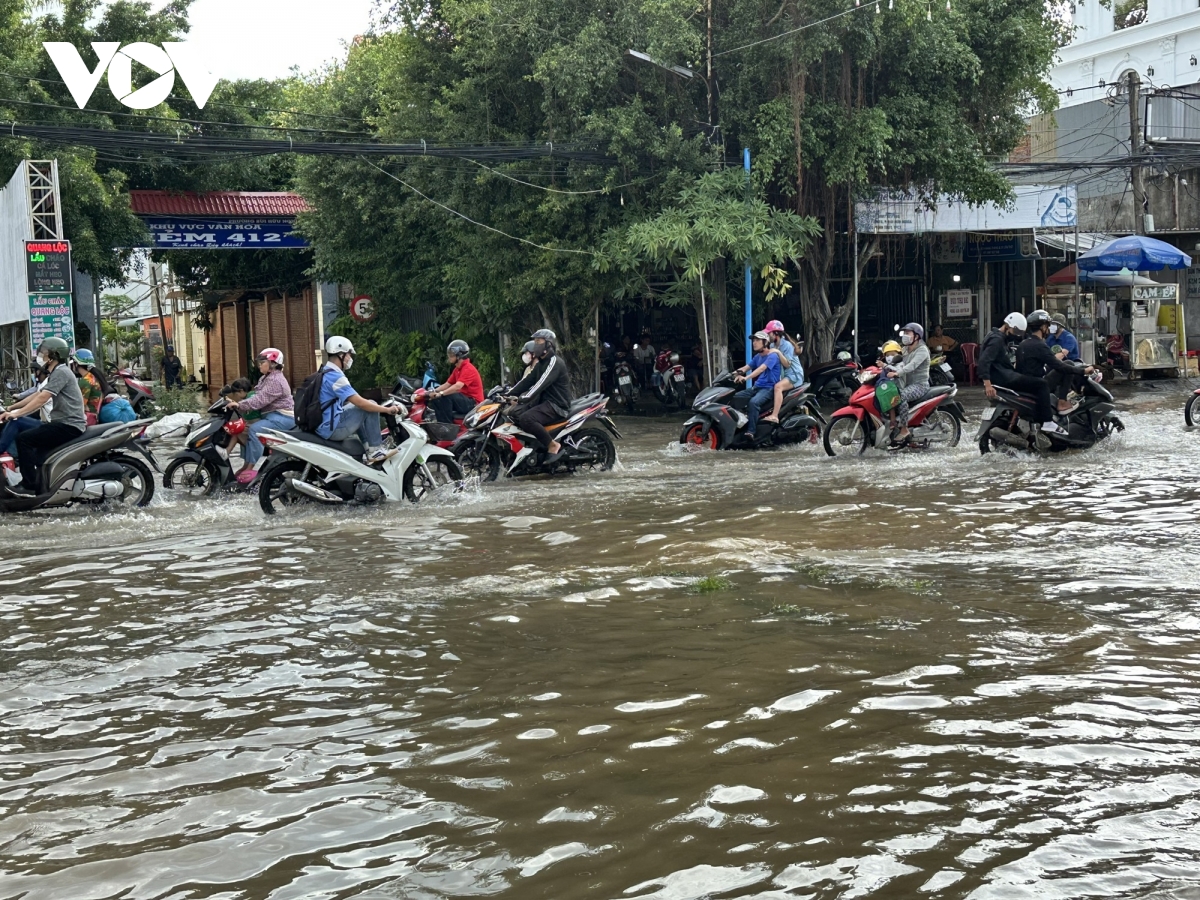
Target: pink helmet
(774, 325)
(273, 356)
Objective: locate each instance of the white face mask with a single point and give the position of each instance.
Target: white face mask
(41, 360)
(527, 358)
(347, 362)
(906, 338)
(891, 357)
(1054, 329)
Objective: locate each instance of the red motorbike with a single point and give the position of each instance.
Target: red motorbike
(935, 420)
(1191, 412)
(441, 433)
(140, 394)
(670, 382)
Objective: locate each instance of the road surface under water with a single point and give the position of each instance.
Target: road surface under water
(703, 675)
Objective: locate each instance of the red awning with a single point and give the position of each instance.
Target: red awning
(217, 203)
(1063, 276)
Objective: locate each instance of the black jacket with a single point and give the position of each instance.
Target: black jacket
(993, 363)
(1034, 357)
(547, 383)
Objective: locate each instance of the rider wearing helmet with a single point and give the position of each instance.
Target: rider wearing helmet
(348, 413)
(91, 383)
(66, 421)
(995, 368)
(892, 353)
(462, 390)
(1035, 359)
(272, 398)
(912, 372)
(527, 357)
(545, 393)
(765, 369)
(171, 366)
(788, 352)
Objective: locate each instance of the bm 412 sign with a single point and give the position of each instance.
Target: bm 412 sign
(182, 233)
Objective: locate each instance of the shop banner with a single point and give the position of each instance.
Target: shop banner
(48, 267)
(981, 248)
(905, 212)
(190, 233)
(50, 315)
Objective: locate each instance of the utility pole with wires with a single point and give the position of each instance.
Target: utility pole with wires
(1136, 176)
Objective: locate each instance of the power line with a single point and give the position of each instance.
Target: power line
(795, 30)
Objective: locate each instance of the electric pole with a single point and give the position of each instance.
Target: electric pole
(1135, 148)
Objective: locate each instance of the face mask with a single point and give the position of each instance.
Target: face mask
(1054, 329)
(906, 338)
(891, 357)
(41, 360)
(347, 363)
(527, 358)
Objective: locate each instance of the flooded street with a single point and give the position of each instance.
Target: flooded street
(727, 675)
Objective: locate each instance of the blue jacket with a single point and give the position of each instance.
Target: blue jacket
(1068, 342)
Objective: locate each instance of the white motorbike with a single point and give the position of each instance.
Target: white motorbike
(305, 468)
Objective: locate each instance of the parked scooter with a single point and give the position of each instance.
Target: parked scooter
(1191, 410)
(670, 382)
(202, 467)
(940, 372)
(514, 452)
(306, 468)
(140, 394)
(719, 421)
(833, 382)
(627, 388)
(96, 467)
(934, 421)
(1010, 422)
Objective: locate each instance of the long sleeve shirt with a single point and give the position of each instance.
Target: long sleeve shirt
(993, 363)
(914, 368)
(1034, 357)
(271, 394)
(547, 383)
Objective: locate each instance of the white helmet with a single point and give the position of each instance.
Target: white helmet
(271, 355)
(1016, 321)
(336, 345)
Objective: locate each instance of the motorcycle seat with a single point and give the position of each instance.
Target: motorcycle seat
(584, 402)
(351, 446)
(939, 390)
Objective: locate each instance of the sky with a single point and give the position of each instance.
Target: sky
(265, 38)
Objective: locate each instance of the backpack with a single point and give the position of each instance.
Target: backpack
(309, 410)
(887, 394)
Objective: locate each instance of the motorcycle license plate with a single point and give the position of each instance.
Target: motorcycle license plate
(625, 379)
(989, 414)
(945, 367)
(679, 376)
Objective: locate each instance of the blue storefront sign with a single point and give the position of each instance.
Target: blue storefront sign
(191, 233)
(981, 248)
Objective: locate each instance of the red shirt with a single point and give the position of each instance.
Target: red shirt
(472, 384)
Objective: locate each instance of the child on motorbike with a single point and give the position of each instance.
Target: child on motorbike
(788, 352)
(913, 374)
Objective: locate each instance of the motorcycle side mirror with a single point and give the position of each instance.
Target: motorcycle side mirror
(895, 327)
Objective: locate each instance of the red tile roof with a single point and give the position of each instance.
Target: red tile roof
(217, 203)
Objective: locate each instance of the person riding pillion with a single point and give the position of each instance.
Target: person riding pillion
(764, 368)
(912, 372)
(67, 419)
(463, 390)
(995, 368)
(1037, 360)
(346, 413)
(545, 393)
(792, 371)
(273, 400)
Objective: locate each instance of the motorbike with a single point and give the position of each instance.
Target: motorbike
(933, 421)
(497, 444)
(1191, 410)
(835, 381)
(304, 467)
(97, 467)
(627, 388)
(202, 467)
(670, 382)
(940, 372)
(140, 394)
(719, 421)
(1009, 422)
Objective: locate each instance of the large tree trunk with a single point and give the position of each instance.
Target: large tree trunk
(718, 319)
(823, 322)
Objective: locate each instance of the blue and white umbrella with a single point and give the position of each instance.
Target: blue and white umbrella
(1133, 254)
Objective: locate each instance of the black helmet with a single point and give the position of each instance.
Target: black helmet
(460, 349)
(1036, 320)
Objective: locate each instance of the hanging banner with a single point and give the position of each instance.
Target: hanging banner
(981, 248)
(904, 212)
(51, 316)
(48, 267)
(190, 233)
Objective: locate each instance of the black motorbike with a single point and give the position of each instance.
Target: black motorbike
(202, 467)
(832, 383)
(1010, 422)
(626, 381)
(719, 418)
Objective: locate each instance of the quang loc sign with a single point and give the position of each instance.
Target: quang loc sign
(50, 315)
(48, 267)
(189, 233)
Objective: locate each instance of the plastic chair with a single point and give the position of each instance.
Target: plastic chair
(970, 356)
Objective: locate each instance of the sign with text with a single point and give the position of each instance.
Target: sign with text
(1039, 206)
(958, 303)
(1193, 281)
(362, 308)
(51, 316)
(48, 267)
(189, 233)
(1164, 292)
(981, 248)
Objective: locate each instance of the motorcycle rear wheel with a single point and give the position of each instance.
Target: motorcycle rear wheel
(190, 479)
(596, 442)
(419, 483)
(274, 495)
(693, 436)
(942, 427)
(137, 482)
(845, 436)
(1191, 412)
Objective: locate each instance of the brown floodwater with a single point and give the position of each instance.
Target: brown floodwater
(721, 675)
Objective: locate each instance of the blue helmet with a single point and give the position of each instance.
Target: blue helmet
(916, 329)
(84, 357)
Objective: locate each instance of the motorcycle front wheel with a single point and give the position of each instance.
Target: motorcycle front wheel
(442, 472)
(190, 478)
(274, 493)
(1191, 412)
(693, 436)
(480, 462)
(845, 436)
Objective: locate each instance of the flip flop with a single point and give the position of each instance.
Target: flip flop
(774, 419)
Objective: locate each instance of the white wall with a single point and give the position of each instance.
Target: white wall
(15, 229)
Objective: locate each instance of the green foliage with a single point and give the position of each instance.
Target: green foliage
(709, 585)
(121, 345)
(179, 400)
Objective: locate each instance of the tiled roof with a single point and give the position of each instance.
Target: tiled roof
(216, 203)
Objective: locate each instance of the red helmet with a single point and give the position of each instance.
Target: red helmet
(235, 426)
